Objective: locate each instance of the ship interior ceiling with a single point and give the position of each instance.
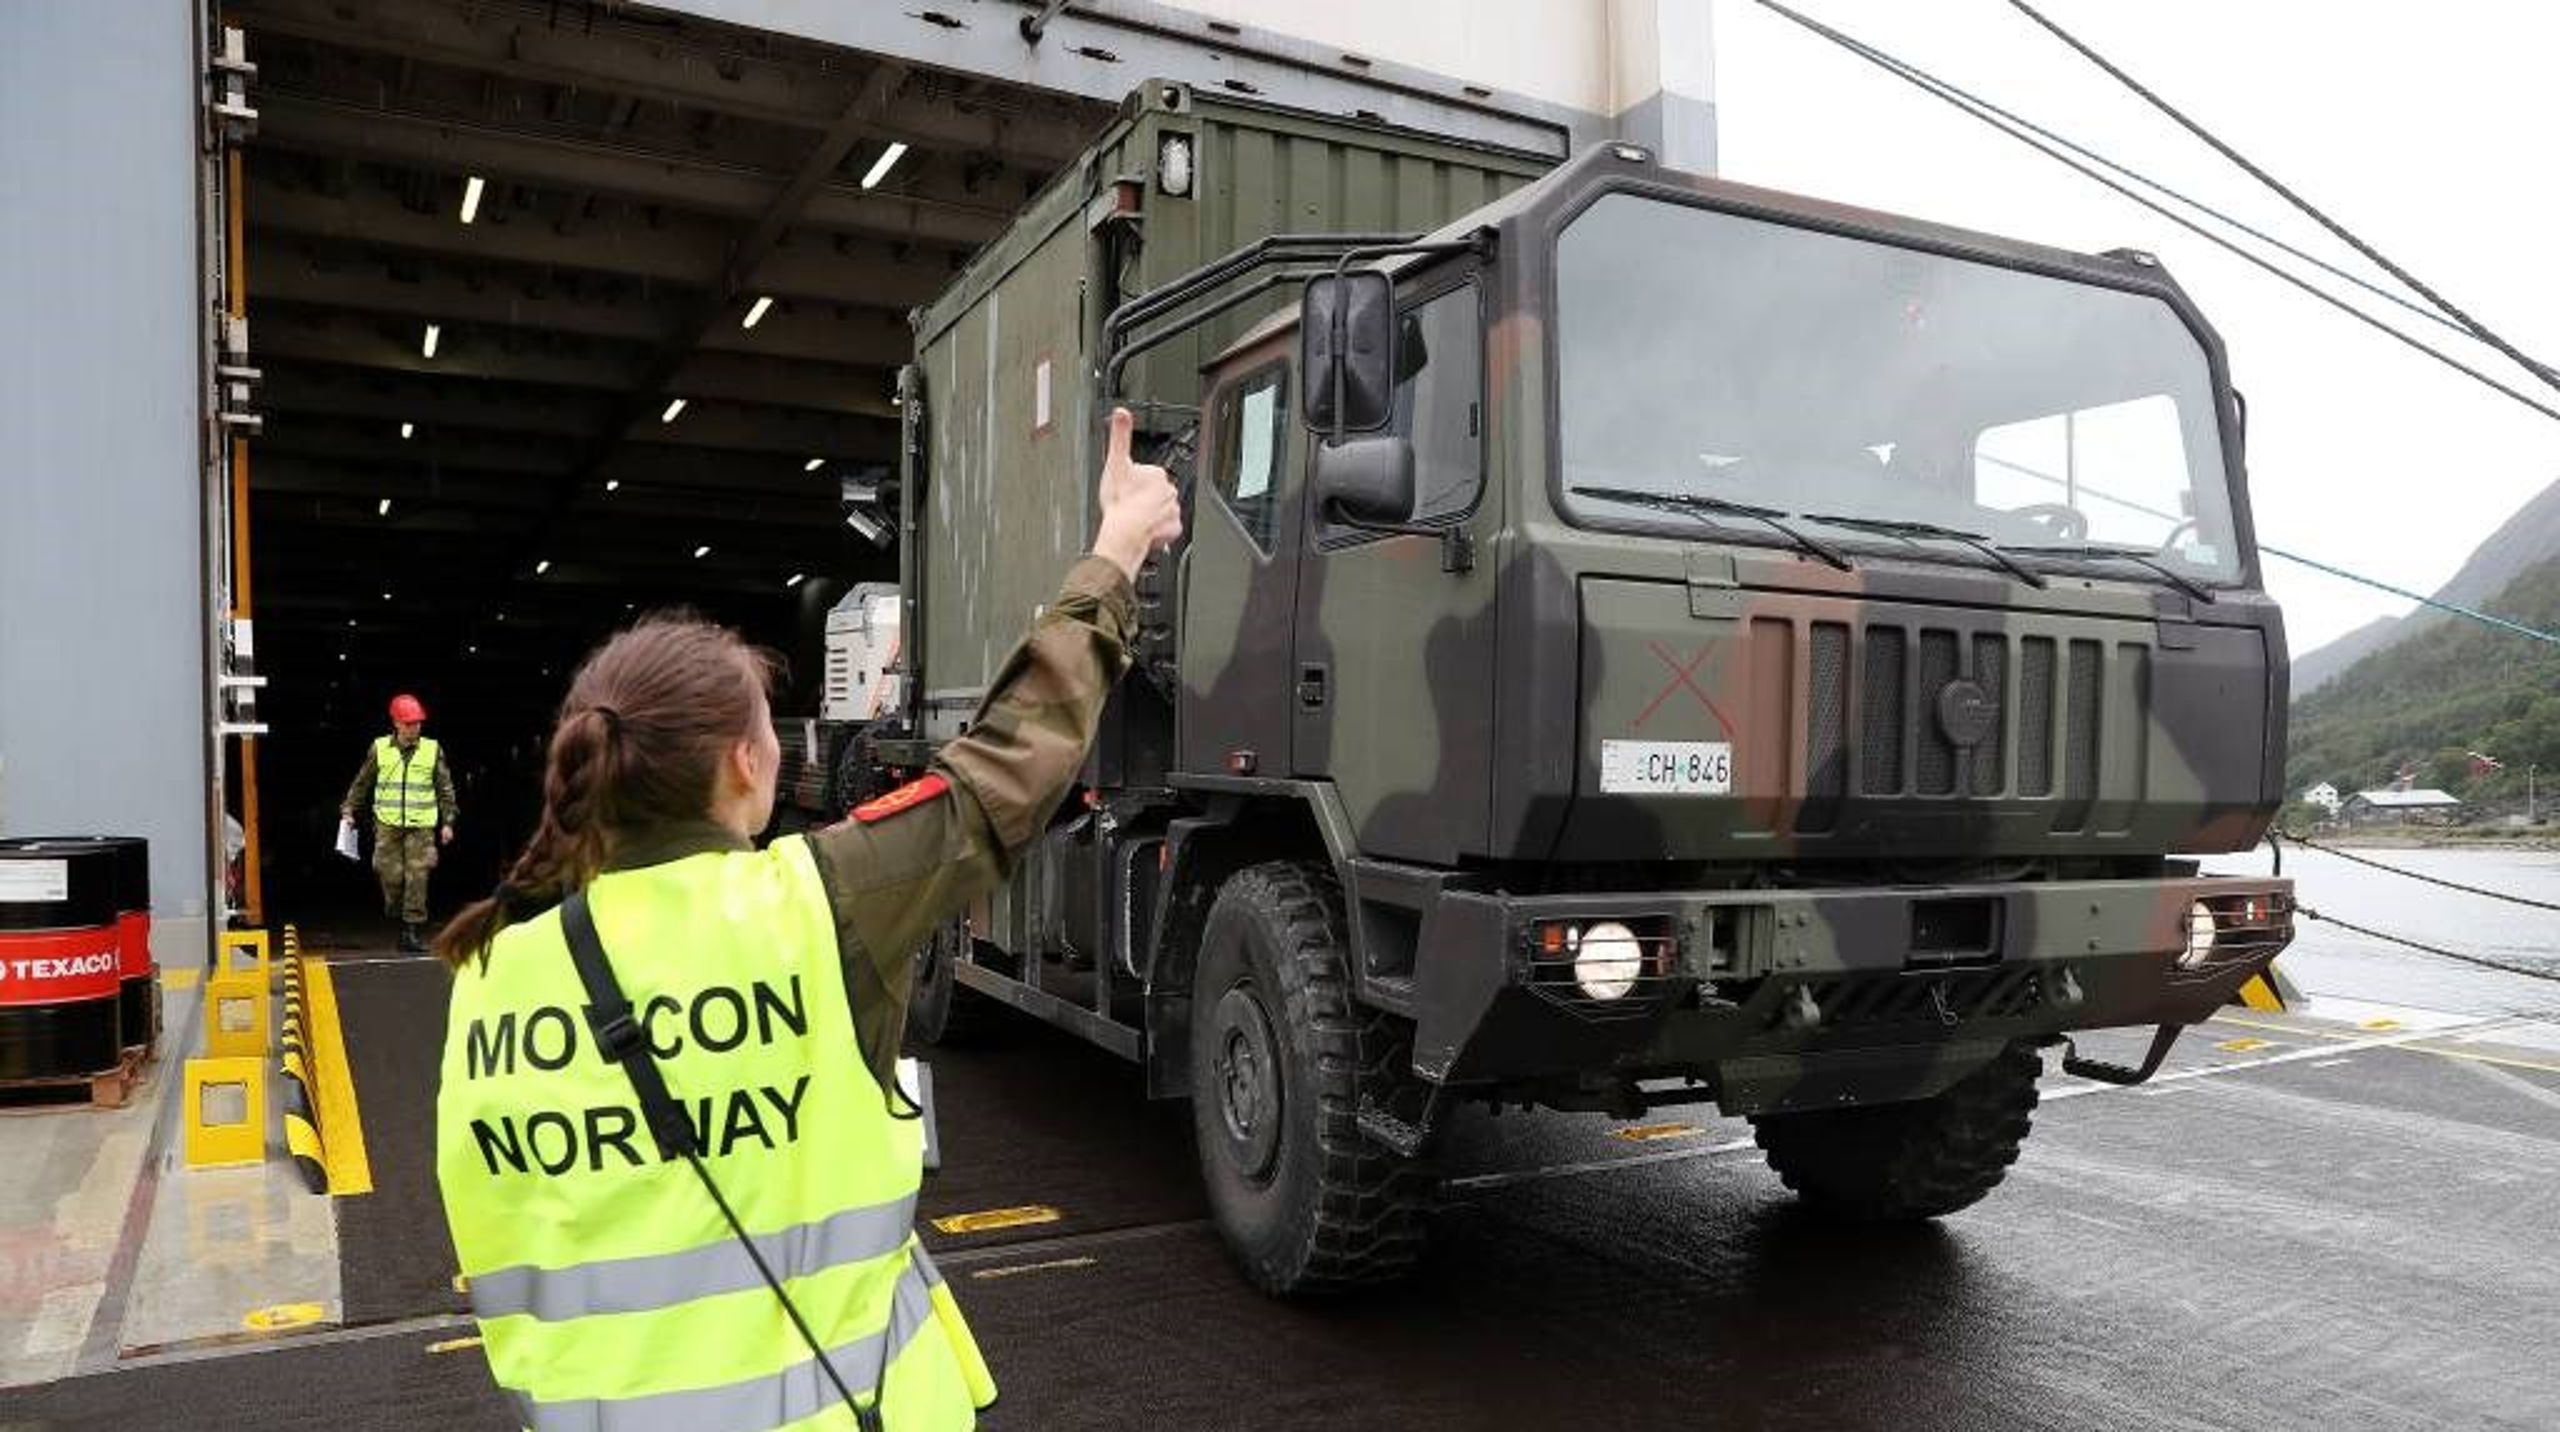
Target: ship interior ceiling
(490, 246)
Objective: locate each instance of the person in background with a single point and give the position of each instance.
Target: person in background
(767, 990)
(407, 784)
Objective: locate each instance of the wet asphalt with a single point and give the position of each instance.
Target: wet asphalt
(2296, 1227)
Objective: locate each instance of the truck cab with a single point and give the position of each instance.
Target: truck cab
(1657, 640)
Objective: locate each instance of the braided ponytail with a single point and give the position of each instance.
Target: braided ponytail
(639, 742)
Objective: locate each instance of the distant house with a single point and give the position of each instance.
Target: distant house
(2323, 795)
(2420, 807)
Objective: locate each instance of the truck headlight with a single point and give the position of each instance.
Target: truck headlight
(2201, 932)
(1607, 960)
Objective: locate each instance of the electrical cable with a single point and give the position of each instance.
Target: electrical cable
(2511, 899)
(1993, 115)
(2483, 961)
(2208, 210)
(2439, 604)
(1981, 110)
(2475, 327)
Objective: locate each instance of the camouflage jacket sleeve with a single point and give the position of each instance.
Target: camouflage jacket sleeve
(918, 856)
(360, 790)
(446, 806)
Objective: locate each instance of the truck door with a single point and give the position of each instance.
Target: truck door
(1239, 577)
(1393, 697)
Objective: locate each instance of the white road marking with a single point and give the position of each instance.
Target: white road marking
(2159, 1083)
(2539, 1093)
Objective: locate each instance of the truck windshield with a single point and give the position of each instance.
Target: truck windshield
(1712, 355)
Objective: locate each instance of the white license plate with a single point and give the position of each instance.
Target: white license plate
(1666, 768)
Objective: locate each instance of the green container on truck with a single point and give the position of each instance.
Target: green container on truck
(1638, 640)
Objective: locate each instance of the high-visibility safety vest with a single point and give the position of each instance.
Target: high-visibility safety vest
(404, 791)
(609, 1290)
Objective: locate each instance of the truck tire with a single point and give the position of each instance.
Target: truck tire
(941, 1011)
(1899, 1163)
(1280, 1061)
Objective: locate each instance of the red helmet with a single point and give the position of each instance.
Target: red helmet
(405, 707)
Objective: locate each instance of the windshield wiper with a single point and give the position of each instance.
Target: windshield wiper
(1897, 527)
(2088, 552)
(1698, 505)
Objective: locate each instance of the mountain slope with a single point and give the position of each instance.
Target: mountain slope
(2527, 538)
(2468, 687)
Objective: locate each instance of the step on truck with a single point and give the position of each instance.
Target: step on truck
(1639, 640)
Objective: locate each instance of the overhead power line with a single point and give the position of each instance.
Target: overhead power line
(2473, 326)
(2438, 603)
(1983, 111)
(2100, 494)
(2485, 962)
(2483, 891)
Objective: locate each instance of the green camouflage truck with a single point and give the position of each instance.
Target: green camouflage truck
(1639, 640)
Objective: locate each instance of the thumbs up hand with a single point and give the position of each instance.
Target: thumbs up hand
(1140, 509)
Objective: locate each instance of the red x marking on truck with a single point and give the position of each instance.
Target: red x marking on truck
(1682, 674)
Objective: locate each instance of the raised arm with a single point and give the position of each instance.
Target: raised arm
(915, 858)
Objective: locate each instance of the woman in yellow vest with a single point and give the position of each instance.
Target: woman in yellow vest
(768, 989)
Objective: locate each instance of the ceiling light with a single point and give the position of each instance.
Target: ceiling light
(613, 484)
(673, 408)
(351, 621)
(796, 579)
(542, 566)
(471, 199)
(702, 551)
(434, 332)
(406, 429)
(755, 315)
(471, 651)
(813, 464)
(870, 529)
(880, 166)
(386, 596)
(382, 508)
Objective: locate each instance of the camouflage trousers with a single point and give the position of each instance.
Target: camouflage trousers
(402, 856)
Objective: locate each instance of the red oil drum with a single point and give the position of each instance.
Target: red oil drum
(62, 960)
(136, 985)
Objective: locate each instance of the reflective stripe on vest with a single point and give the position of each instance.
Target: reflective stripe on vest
(777, 1400)
(404, 792)
(610, 1292)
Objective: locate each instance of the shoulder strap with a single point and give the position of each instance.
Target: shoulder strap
(619, 1035)
(625, 1043)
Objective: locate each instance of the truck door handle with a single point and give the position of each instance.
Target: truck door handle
(1311, 685)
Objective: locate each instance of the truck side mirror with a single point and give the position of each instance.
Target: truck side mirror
(1347, 351)
(1368, 481)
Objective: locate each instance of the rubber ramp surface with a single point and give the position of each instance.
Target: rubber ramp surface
(395, 1259)
(1034, 1116)
(384, 1382)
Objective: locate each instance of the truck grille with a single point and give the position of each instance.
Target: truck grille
(2035, 716)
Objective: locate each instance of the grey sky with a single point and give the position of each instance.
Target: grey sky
(2417, 127)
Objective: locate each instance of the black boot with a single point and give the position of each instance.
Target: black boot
(411, 942)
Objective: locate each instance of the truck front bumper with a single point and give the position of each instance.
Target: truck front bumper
(1786, 999)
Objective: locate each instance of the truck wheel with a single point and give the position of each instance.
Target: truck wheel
(941, 1011)
(1896, 1163)
(1280, 1058)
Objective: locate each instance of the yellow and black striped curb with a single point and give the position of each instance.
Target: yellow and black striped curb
(301, 1125)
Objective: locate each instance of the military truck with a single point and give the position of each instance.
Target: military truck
(1639, 639)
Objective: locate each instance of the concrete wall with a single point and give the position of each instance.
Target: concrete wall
(1531, 74)
(102, 594)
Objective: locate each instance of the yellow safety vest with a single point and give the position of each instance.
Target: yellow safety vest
(404, 791)
(610, 1292)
